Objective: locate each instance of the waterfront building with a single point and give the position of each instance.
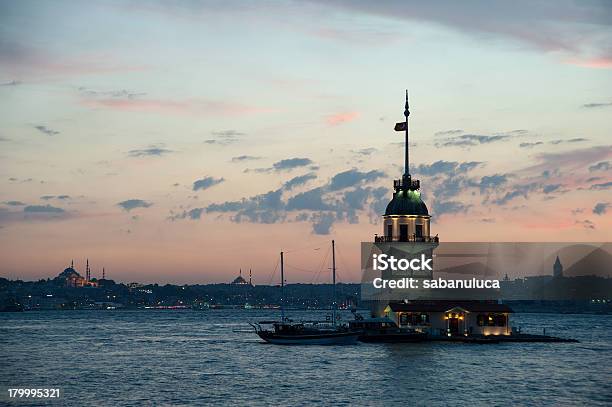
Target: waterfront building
(452, 317)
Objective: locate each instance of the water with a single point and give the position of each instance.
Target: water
(176, 358)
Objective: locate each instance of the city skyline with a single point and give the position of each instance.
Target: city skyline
(200, 139)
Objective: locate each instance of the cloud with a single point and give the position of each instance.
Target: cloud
(11, 83)
(448, 132)
(60, 197)
(600, 166)
(468, 140)
(14, 203)
(570, 160)
(517, 191)
(353, 177)
(225, 137)
(297, 181)
(572, 140)
(42, 209)
(547, 189)
(206, 182)
(340, 199)
(227, 133)
(291, 163)
(446, 167)
(130, 204)
(311, 200)
(193, 214)
(530, 145)
(602, 186)
(340, 118)
(601, 208)
(119, 94)
(197, 107)
(47, 131)
(242, 158)
(24, 60)
(577, 31)
(443, 207)
(263, 208)
(366, 151)
(322, 223)
(596, 105)
(492, 182)
(148, 152)
(587, 224)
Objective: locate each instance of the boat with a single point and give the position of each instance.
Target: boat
(304, 333)
(383, 329)
(288, 332)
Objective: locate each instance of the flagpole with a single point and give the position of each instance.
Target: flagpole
(406, 160)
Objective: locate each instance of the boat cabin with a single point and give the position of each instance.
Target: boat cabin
(452, 318)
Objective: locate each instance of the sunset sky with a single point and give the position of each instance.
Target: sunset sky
(180, 141)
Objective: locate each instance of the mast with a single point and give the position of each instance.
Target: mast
(334, 281)
(406, 158)
(282, 287)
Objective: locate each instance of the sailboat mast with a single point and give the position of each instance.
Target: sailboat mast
(282, 273)
(334, 281)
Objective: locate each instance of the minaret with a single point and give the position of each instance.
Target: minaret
(87, 272)
(72, 264)
(250, 277)
(558, 268)
(103, 274)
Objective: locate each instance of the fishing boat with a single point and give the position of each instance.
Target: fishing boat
(288, 332)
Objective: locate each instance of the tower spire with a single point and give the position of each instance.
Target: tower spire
(406, 158)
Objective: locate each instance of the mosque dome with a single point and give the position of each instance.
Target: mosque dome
(68, 272)
(239, 280)
(407, 202)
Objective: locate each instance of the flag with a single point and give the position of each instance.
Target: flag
(400, 126)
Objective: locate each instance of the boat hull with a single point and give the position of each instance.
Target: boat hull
(392, 338)
(336, 338)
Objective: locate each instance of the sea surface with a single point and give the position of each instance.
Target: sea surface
(176, 358)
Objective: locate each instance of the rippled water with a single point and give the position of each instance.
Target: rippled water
(197, 358)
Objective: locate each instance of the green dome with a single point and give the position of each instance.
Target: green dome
(407, 203)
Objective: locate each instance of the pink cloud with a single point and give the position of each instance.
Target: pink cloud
(340, 118)
(189, 106)
(597, 63)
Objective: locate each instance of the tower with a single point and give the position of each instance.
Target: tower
(558, 268)
(87, 271)
(103, 274)
(250, 277)
(406, 228)
(406, 218)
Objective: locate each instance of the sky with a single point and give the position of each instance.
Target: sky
(182, 141)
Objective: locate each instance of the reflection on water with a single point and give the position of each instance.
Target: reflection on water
(187, 357)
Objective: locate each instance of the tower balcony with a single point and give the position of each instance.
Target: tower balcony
(409, 238)
(406, 183)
